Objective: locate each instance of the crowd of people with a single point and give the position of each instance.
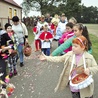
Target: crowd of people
(74, 49)
(73, 44)
(57, 28)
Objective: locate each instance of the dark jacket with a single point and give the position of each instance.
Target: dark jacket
(4, 38)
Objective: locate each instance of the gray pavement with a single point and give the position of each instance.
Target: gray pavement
(37, 79)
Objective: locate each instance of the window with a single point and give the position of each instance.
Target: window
(15, 12)
(10, 13)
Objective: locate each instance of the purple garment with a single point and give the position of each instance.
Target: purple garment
(66, 35)
(78, 56)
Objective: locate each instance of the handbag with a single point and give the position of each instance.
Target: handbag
(81, 80)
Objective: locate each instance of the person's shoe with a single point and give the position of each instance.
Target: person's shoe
(15, 72)
(10, 75)
(21, 64)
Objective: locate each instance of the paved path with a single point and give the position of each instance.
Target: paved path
(38, 79)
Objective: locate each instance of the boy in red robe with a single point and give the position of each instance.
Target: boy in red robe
(46, 40)
(37, 41)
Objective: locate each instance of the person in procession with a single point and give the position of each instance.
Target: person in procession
(46, 39)
(22, 33)
(4, 54)
(12, 59)
(61, 27)
(66, 35)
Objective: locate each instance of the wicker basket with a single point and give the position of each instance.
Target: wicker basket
(79, 78)
(84, 82)
(27, 50)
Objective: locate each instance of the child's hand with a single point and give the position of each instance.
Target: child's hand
(26, 40)
(87, 71)
(42, 57)
(65, 39)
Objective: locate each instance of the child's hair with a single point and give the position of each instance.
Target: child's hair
(56, 15)
(84, 33)
(44, 27)
(82, 41)
(73, 19)
(55, 23)
(42, 17)
(7, 25)
(69, 24)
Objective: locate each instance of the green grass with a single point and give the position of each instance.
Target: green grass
(94, 41)
(92, 28)
(31, 36)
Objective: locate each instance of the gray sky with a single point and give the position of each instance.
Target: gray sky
(90, 2)
(85, 2)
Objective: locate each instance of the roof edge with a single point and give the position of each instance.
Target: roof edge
(13, 3)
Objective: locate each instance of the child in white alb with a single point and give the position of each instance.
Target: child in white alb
(46, 40)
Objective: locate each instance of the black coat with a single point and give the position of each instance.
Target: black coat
(4, 39)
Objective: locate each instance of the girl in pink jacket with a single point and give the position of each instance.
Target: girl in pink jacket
(69, 33)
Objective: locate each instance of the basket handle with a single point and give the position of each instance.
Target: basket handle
(71, 67)
(84, 62)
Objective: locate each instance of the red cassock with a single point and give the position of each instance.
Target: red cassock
(34, 29)
(45, 35)
(52, 26)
